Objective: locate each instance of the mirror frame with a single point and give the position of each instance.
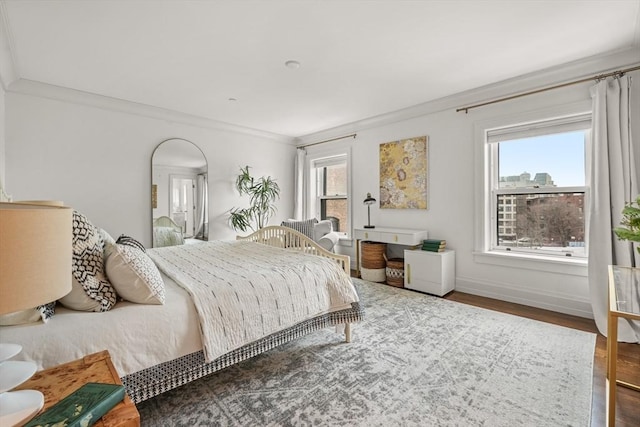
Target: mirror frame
(154, 185)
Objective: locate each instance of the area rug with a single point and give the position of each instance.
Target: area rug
(416, 360)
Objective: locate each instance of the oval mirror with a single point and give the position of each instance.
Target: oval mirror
(179, 194)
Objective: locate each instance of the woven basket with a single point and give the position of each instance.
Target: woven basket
(373, 254)
(395, 272)
(373, 274)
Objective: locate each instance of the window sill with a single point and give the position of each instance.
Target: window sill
(550, 264)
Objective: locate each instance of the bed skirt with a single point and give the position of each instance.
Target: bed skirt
(150, 382)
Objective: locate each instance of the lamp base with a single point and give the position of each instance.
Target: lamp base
(17, 407)
(369, 226)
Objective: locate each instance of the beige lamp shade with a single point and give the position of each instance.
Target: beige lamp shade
(35, 254)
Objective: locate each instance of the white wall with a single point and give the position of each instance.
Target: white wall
(98, 160)
(451, 213)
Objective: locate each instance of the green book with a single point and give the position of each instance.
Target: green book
(83, 407)
(433, 246)
(433, 249)
(434, 242)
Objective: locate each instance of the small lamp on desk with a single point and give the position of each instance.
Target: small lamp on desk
(35, 269)
(369, 201)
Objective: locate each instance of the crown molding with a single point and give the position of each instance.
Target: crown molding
(583, 68)
(8, 70)
(59, 93)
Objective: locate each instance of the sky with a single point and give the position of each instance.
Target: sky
(559, 155)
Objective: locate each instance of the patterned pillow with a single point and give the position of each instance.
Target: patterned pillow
(305, 226)
(90, 289)
(130, 241)
(134, 275)
(42, 312)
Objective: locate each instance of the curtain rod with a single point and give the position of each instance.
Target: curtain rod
(353, 135)
(507, 98)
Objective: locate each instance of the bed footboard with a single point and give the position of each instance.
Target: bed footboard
(288, 238)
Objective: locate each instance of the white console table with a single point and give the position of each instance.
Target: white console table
(398, 236)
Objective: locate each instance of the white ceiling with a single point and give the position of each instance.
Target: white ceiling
(359, 58)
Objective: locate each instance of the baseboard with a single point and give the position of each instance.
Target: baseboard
(545, 300)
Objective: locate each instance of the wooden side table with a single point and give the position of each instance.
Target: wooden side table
(58, 382)
(624, 288)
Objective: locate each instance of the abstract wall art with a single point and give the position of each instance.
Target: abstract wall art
(403, 174)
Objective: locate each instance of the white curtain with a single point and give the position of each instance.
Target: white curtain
(299, 183)
(613, 177)
(202, 204)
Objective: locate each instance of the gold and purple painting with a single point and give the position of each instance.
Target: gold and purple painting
(403, 174)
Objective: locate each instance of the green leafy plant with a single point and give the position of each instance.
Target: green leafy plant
(262, 192)
(631, 223)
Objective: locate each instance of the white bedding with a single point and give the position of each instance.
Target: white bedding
(237, 304)
(137, 336)
(141, 336)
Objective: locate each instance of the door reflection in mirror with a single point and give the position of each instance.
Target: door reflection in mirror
(179, 175)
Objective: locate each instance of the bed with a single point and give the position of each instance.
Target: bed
(156, 348)
(166, 232)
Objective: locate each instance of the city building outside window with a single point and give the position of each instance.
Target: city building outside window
(537, 187)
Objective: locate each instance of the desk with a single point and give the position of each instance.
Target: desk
(624, 288)
(398, 236)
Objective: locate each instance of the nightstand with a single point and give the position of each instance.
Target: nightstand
(58, 382)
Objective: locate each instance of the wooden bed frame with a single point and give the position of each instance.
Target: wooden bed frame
(288, 238)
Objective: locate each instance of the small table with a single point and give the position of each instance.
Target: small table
(624, 288)
(398, 236)
(58, 382)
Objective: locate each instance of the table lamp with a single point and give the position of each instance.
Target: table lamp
(369, 201)
(35, 269)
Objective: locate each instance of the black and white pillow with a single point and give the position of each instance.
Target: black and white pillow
(31, 315)
(90, 289)
(130, 241)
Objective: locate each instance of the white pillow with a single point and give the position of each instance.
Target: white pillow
(134, 275)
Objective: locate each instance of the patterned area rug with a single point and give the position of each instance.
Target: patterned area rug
(416, 360)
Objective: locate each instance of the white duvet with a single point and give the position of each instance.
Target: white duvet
(141, 336)
(244, 291)
(137, 336)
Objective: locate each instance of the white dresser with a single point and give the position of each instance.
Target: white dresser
(430, 272)
(398, 236)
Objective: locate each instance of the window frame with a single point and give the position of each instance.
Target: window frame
(486, 171)
(321, 158)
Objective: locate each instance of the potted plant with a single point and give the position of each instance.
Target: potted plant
(631, 223)
(263, 192)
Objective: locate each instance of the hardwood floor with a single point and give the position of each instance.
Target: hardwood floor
(628, 401)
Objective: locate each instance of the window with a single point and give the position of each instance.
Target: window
(537, 187)
(331, 192)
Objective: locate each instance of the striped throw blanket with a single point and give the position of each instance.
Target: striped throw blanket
(244, 291)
